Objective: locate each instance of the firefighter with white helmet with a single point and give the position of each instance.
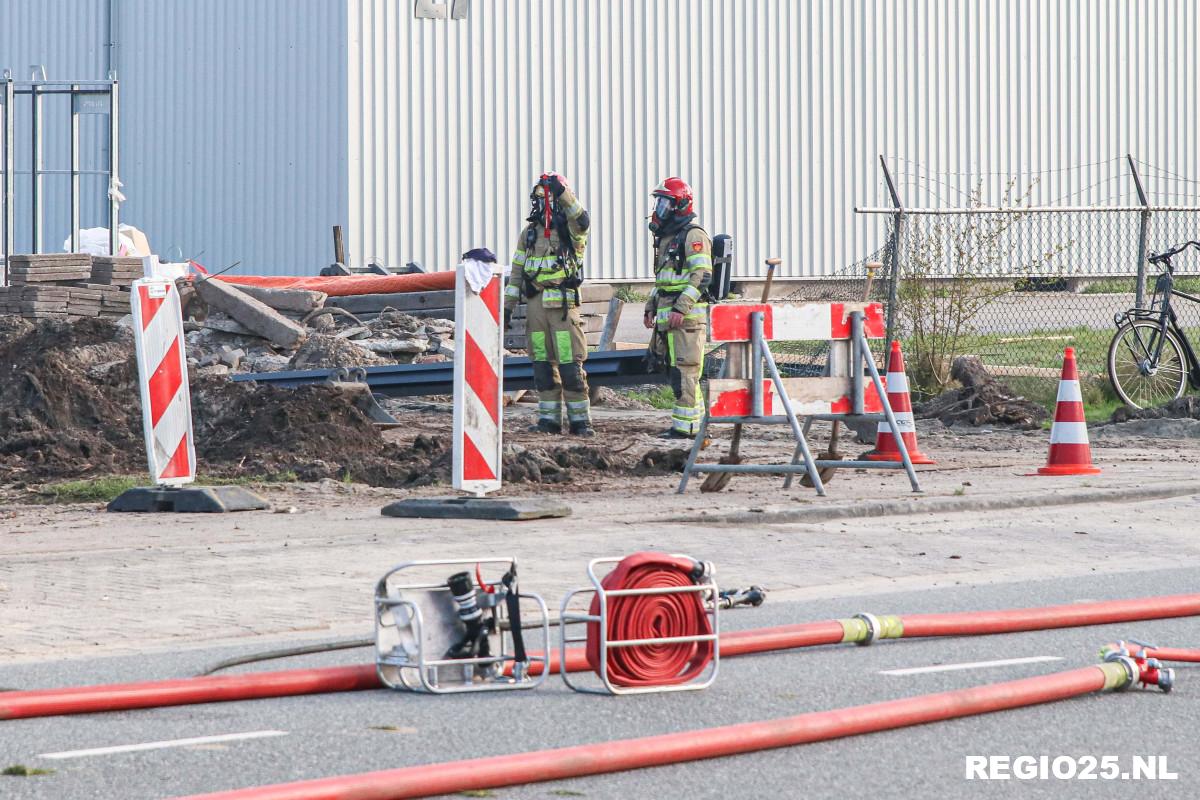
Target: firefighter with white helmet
(677, 309)
(547, 269)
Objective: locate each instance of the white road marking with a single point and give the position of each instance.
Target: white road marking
(1004, 662)
(133, 748)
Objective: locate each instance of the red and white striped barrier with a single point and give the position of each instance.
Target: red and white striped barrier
(163, 381)
(731, 398)
(1070, 451)
(478, 385)
(730, 322)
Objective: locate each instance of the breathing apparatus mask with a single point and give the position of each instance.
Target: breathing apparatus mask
(662, 216)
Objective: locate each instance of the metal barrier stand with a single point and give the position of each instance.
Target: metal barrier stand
(802, 460)
(403, 636)
(710, 596)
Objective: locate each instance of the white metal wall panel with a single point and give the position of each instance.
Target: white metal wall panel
(234, 129)
(775, 111)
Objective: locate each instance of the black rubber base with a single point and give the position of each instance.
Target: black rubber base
(508, 509)
(189, 500)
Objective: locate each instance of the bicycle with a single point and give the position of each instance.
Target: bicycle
(1150, 360)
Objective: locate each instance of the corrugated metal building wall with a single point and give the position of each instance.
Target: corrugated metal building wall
(233, 120)
(250, 128)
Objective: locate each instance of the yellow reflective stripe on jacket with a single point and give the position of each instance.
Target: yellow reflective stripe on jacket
(699, 261)
(518, 258)
(575, 210)
(691, 292)
(512, 291)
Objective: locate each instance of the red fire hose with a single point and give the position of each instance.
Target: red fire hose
(651, 616)
(626, 754)
(1174, 654)
(185, 691)
(862, 629)
(1141, 650)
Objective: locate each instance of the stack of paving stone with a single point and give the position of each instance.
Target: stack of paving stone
(109, 285)
(118, 271)
(38, 300)
(48, 268)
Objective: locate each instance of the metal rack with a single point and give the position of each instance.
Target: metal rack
(414, 619)
(86, 97)
(709, 595)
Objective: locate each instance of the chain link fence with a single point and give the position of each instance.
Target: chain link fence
(1014, 283)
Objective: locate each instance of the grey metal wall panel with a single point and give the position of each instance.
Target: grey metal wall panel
(775, 111)
(68, 38)
(234, 129)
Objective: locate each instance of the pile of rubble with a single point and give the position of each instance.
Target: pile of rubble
(981, 400)
(249, 329)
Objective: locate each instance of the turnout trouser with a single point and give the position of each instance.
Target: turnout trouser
(558, 348)
(683, 351)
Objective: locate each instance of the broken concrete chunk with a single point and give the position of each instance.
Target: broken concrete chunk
(297, 300)
(255, 315)
(232, 358)
(394, 345)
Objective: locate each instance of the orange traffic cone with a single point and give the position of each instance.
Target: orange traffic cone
(901, 403)
(1070, 453)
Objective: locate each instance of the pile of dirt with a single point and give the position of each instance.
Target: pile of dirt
(68, 399)
(982, 400)
(69, 407)
(1179, 408)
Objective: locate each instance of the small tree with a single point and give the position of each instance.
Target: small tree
(954, 266)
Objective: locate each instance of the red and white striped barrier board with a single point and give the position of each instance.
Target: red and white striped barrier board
(730, 322)
(731, 397)
(163, 380)
(478, 385)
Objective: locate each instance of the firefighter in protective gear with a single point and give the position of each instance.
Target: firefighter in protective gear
(547, 269)
(677, 310)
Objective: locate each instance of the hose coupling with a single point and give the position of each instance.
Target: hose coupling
(1132, 671)
(749, 596)
(1155, 674)
(874, 628)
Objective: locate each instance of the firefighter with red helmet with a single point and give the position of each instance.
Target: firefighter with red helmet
(677, 309)
(547, 269)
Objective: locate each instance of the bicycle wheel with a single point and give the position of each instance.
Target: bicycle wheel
(1138, 379)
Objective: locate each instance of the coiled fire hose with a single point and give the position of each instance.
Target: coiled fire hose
(477, 774)
(859, 630)
(652, 616)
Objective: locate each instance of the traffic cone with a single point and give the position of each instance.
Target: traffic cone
(1070, 453)
(901, 403)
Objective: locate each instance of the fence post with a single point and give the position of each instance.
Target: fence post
(1142, 236)
(897, 237)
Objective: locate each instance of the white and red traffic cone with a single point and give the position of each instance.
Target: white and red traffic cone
(1070, 453)
(901, 403)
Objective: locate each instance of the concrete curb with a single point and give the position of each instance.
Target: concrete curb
(945, 505)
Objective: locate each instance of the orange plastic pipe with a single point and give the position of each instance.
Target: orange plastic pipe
(626, 754)
(345, 285)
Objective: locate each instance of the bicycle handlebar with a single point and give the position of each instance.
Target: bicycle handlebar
(1165, 256)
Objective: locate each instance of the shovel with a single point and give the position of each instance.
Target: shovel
(831, 452)
(716, 481)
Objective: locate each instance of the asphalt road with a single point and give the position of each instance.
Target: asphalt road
(344, 733)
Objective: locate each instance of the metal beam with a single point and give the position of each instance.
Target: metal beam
(604, 368)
